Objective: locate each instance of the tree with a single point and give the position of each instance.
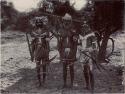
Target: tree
(107, 19)
(8, 14)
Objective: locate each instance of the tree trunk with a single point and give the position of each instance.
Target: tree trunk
(102, 50)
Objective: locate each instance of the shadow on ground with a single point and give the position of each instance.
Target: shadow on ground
(104, 82)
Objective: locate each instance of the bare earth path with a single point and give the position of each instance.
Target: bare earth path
(18, 74)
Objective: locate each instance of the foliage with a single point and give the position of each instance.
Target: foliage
(108, 16)
(9, 14)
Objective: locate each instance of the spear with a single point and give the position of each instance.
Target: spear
(28, 42)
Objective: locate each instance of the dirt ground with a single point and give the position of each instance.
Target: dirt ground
(18, 73)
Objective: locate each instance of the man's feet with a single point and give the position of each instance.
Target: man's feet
(64, 86)
(87, 87)
(71, 85)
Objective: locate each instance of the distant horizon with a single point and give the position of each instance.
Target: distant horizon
(26, 5)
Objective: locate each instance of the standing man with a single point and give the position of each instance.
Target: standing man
(87, 55)
(40, 45)
(40, 31)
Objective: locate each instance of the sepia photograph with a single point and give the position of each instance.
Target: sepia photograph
(62, 47)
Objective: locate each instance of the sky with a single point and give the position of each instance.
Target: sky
(25, 5)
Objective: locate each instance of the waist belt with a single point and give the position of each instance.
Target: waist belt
(64, 59)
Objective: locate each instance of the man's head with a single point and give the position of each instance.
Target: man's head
(67, 21)
(41, 21)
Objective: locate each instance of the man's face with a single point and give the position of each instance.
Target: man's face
(41, 21)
